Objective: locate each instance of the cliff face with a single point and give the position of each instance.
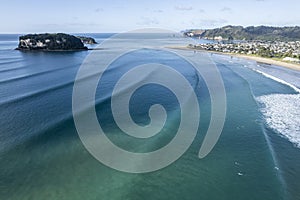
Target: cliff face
(50, 42)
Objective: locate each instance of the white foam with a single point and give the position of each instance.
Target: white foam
(277, 79)
(282, 111)
(282, 114)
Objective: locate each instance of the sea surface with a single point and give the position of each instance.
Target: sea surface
(42, 156)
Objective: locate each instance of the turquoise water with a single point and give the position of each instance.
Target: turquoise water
(42, 157)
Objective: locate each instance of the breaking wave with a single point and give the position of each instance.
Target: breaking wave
(277, 79)
(281, 112)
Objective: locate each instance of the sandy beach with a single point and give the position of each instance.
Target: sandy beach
(293, 66)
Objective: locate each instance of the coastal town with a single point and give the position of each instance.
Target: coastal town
(286, 51)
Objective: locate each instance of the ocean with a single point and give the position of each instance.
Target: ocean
(42, 156)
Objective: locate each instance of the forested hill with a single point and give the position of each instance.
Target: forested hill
(248, 33)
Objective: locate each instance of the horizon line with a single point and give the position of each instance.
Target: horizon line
(114, 32)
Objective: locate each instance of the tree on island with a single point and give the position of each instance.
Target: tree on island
(50, 42)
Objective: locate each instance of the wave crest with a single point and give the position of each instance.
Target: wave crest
(281, 113)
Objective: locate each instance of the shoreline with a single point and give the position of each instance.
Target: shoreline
(270, 61)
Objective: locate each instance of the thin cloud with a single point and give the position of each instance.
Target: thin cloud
(208, 23)
(226, 9)
(158, 11)
(146, 21)
(183, 8)
(69, 24)
(99, 10)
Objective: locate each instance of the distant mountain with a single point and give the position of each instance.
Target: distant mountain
(248, 33)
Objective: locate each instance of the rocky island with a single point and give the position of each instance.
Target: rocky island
(87, 40)
(52, 42)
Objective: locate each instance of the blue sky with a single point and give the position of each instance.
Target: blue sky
(17, 16)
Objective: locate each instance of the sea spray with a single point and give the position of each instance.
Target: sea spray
(281, 113)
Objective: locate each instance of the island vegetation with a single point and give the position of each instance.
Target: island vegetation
(265, 33)
(87, 40)
(53, 42)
